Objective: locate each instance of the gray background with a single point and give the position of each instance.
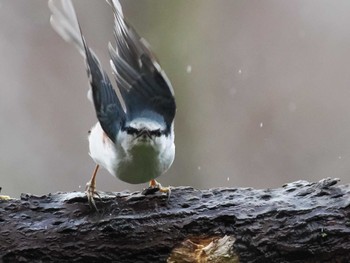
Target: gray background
(262, 89)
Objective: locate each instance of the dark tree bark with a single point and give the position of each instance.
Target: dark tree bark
(300, 222)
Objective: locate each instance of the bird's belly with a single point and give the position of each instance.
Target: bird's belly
(141, 165)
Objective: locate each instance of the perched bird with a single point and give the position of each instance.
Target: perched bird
(134, 136)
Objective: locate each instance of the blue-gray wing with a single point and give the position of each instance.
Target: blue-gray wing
(107, 105)
(142, 83)
(108, 108)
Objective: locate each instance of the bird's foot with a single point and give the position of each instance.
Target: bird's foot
(91, 192)
(154, 187)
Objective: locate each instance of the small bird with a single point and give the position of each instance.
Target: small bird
(134, 136)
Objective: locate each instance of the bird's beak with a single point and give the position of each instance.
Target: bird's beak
(144, 134)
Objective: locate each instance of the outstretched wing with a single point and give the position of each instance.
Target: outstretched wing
(65, 23)
(107, 105)
(143, 85)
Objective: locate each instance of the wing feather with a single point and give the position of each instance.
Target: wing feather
(107, 105)
(140, 79)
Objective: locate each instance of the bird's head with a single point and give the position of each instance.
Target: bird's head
(143, 131)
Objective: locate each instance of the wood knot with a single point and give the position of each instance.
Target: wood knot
(205, 250)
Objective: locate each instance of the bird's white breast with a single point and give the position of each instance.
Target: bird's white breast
(130, 160)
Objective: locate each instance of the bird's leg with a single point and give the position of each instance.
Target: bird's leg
(154, 186)
(90, 189)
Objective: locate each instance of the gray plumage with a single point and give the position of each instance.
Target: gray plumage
(142, 83)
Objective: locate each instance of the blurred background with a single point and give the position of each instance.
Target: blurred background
(262, 89)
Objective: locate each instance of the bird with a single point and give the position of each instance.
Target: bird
(133, 138)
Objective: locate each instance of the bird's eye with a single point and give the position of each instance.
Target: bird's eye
(156, 133)
(130, 130)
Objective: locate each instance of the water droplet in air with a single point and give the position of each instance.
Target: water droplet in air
(189, 69)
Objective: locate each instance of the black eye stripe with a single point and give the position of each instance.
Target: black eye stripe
(156, 133)
(133, 131)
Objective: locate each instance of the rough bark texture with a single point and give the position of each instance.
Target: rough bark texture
(300, 222)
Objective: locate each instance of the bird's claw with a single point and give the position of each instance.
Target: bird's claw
(91, 192)
(154, 187)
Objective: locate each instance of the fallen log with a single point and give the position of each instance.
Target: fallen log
(299, 222)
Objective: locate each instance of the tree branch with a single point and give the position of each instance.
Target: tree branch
(299, 222)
